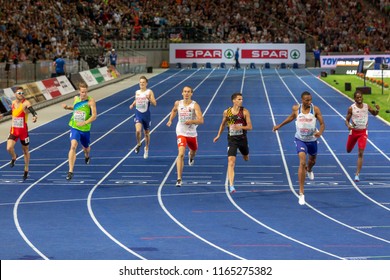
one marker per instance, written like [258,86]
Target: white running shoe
[301,200]
[310,175]
[357,178]
[146,153]
[190,161]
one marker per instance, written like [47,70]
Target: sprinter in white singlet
[189,117]
[357,123]
[306,116]
[143,98]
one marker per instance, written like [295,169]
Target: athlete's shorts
[144,119]
[84,137]
[306,147]
[191,142]
[237,143]
[21,134]
[357,135]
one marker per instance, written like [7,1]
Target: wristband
[32,111]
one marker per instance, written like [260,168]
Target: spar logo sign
[229,54]
[295,54]
[270,54]
[199,53]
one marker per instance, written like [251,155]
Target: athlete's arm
[221,127]
[132,104]
[199,117]
[372,111]
[248,120]
[348,118]
[173,113]
[318,115]
[152,99]
[92,105]
[27,105]
[289,119]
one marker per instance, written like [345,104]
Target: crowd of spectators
[44,29]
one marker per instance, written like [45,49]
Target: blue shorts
[143,118]
[306,147]
[84,137]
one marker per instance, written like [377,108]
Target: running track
[123,207]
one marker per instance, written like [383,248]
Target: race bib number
[18,122]
[141,104]
[306,132]
[79,116]
[360,123]
[234,131]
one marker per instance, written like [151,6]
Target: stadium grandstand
[33,32]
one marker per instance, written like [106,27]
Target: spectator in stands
[366,50]
[113,58]
[59,65]
[317,57]
[102,60]
[330,24]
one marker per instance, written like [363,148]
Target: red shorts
[191,142]
[359,136]
[19,133]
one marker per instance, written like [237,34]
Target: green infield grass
[379,95]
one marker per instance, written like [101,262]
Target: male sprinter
[19,130]
[84,113]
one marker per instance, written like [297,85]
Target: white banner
[330,61]
[196,270]
[65,85]
[378,73]
[248,53]
[88,78]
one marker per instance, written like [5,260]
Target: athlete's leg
[192,143]
[11,148]
[359,161]
[26,155]
[72,154]
[302,172]
[180,161]
[351,142]
[138,133]
[231,165]
[311,162]
[362,143]
[87,151]
[147,139]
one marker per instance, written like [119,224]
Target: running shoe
[69,176]
[146,153]
[25,175]
[178,183]
[310,175]
[12,163]
[357,178]
[87,160]
[301,200]
[232,189]
[138,148]
[191,161]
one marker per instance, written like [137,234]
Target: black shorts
[238,143]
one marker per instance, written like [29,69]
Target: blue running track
[123,207]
